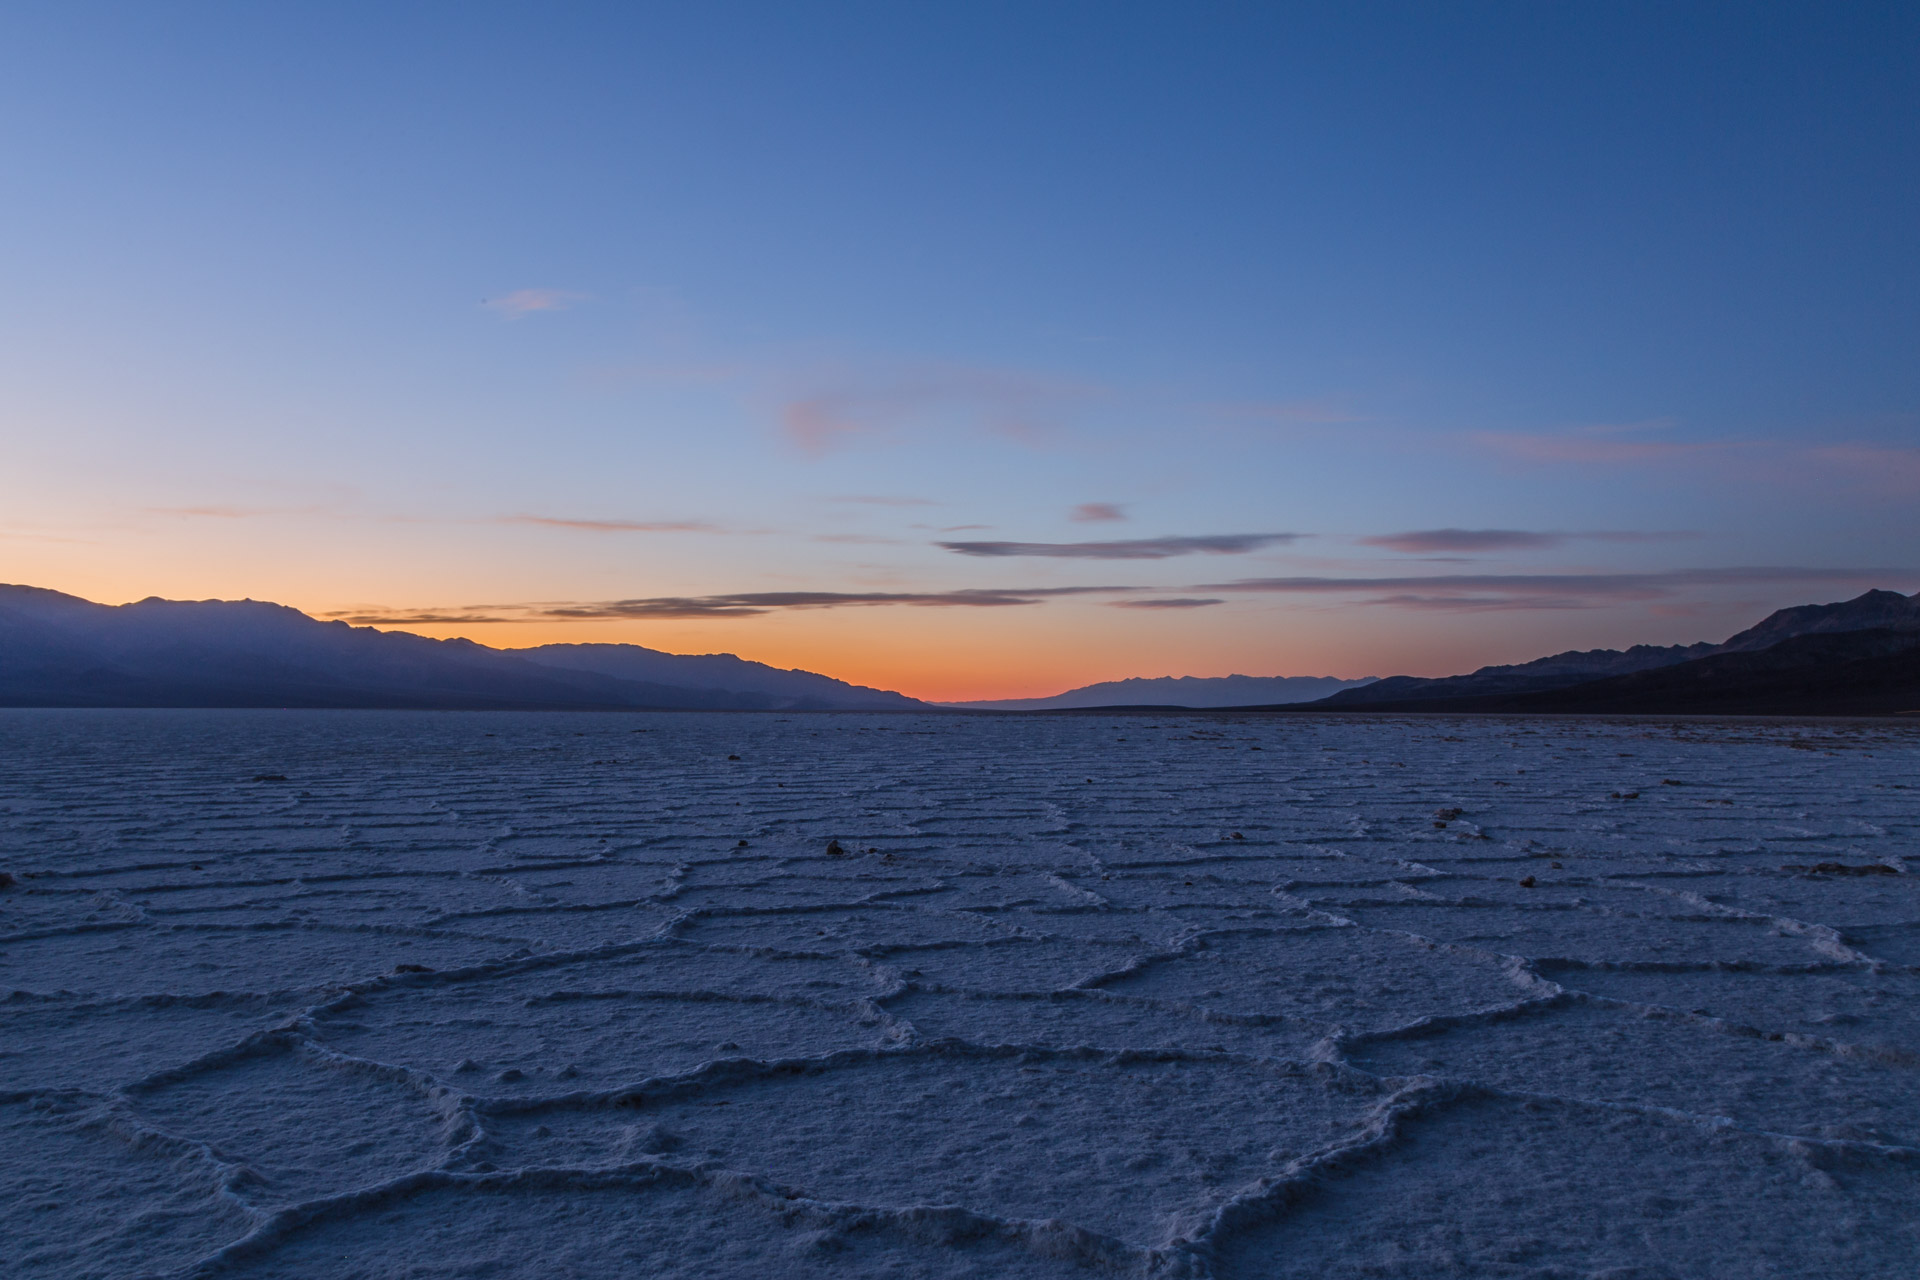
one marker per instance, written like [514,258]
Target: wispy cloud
[745,604]
[1867,466]
[1218,544]
[1166,602]
[211,513]
[526,302]
[1095,512]
[1420,541]
[1481,591]
[615,526]
[1880,467]
[1481,604]
[373,616]
[1576,447]
[1019,406]
[882,500]
[224,511]
[750,603]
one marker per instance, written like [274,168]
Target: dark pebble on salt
[1526,882]
[740,844]
[733,757]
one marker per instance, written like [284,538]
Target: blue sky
[483,319]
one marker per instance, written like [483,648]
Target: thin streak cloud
[1566,590]
[615,526]
[526,302]
[750,603]
[1422,541]
[1167,602]
[1219,544]
[882,500]
[1095,512]
[745,604]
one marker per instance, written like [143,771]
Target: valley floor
[385,994]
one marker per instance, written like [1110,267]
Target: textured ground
[391,994]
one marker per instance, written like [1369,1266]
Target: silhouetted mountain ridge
[1854,657]
[60,650]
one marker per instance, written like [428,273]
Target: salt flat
[338,994]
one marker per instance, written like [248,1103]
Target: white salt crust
[583,996]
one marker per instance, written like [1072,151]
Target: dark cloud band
[1218,544]
[1419,541]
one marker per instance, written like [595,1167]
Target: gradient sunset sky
[972,350]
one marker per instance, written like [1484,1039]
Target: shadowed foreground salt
[585,996]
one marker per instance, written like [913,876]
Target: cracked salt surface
[552,995]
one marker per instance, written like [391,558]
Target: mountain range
[58,650]
[1854,657]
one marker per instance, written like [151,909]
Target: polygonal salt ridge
[582,1039]
[1366,962]
[206,959]
[1580,1047]
[1019,963]
[1836,900]
[1465,1180]
[31,910]
[859,929]
[1592,934]
[569,927]
[299,1117]
[586,881]
[1824,939]
[949,1242]
[53,1041]
[1853,1001]
[1024,1132]
[1102,1022]
[94,1186]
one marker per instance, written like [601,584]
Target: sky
[972,350]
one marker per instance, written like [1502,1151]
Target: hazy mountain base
[1177,691]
